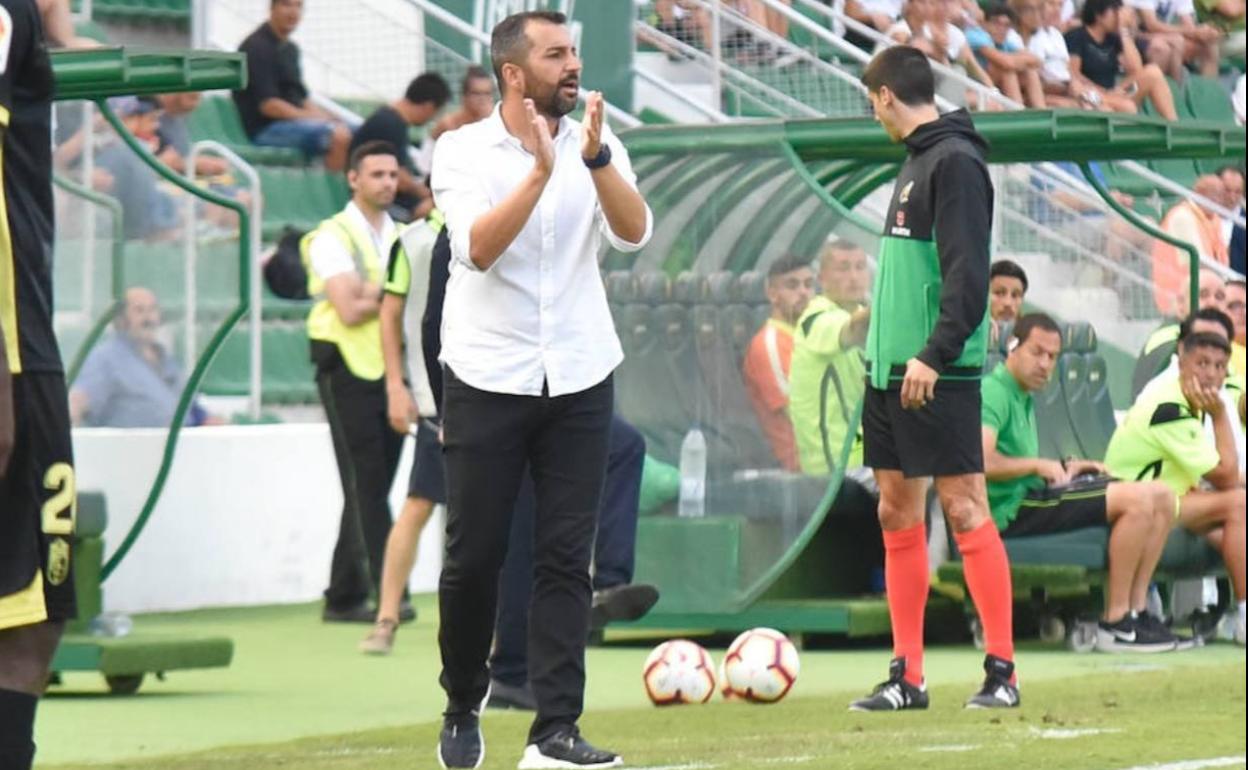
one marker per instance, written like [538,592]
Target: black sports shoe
[1161,630]
[894,695]
[1134,634]
[566,749]
[509,696]
[461,743]
[623,602]
[359,613]
[998,691]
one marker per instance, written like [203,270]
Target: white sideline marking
[1067,734]
[789,760]
[954,747]
[694,766]
[1195,764]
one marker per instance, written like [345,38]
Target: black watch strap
[601,159]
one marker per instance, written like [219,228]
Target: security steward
[345,258]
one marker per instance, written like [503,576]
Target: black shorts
[941,439]
[1062,509]
[37,506]
[428,479]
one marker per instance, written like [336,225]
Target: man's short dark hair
[474,73]
[428,87]
[1211,314]
[785,265]
[1000,9]
[1094,9]
[1008,268]
[368,149]
[1024,326]
[1205,340]
[510,44]
[906,72]
[1230,167]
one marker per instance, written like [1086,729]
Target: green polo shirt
[1011,412]
[1162,438]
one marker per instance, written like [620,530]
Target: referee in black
[37,492]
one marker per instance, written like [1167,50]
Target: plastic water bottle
[111,624]
[693,474]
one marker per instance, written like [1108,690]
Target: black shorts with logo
[939,439]
[37,506]
[1047,511]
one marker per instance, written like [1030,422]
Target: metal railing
[256,315]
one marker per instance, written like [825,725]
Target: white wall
[249,515]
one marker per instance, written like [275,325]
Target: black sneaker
[461,743]
[625,602]
[509,696]
[566,749]
[360,613]
[1157,628]
[998,691]
[894,695]
[407,613]
[1131,634]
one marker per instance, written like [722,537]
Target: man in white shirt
[346,257]
[528,349]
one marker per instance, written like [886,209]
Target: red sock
[988,577]
[906,581]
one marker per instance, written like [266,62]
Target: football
[761,666]
[679,671]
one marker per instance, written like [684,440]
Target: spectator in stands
[790,285]
[1031,495]
[476,100]
[1193,223]
[58,25]
[274,107]
[1169,36]
[828,374]
[685,21]
[347,256]
[926,27]
[148,212]
[423,100]
[1235,309]
[130,379]
[1099,53]
[1002,52]
[1161,438]
[1228,17]
[1039,25]
[1233,180]
[877,14]
[1162,344]
[174,136]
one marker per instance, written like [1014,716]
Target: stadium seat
[217,118]
[1092,414]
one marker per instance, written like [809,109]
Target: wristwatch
[603,158]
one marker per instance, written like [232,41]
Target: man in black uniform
[925,352]
[37,496]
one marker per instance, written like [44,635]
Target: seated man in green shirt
[1031,495]
[1163,438]
[827,374]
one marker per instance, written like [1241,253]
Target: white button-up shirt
[539,314]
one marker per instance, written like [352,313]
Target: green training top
[1011,412]
[826,384]
[1162,438]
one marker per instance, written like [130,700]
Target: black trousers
[367,451]
[489,440]
[614,550]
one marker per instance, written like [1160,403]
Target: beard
[551,101]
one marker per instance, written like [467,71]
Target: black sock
[17,730]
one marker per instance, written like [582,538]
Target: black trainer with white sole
[566,750]
[896,694]
[1134,634]
[461,744]
[1162,630]
[1000,689]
